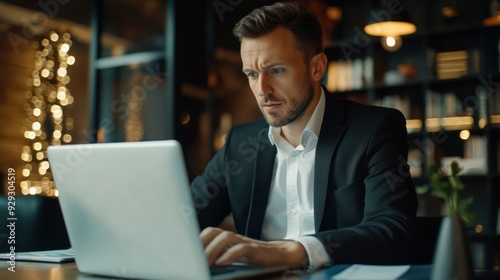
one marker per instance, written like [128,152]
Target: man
[321,179]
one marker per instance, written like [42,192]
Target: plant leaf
[468,218]
[433,168]
[422,189]
[464,204]
[455,168]
[439,193]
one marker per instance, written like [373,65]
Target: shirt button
[293,211]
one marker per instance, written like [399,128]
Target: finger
[238,252]
[258,253]
[220,244]
[208,234]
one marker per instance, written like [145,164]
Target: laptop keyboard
[216,270]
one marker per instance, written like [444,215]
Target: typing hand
[224,247]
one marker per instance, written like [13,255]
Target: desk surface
[69,271]
[38,270]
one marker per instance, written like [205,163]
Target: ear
[318,66]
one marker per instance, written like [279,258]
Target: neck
[292,132]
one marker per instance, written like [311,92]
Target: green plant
[449,187]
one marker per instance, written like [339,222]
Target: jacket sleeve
[209,190]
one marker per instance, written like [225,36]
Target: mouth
[271,106]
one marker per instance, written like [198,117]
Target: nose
[264,85]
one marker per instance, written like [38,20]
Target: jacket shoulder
[366,112]
[247,131]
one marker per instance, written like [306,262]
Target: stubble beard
[297,110]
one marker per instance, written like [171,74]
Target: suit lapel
[332,130]
[264,166]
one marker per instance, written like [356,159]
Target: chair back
[39,224]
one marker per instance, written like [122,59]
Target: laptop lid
[129,212]
[127,209]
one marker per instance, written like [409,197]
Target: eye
[276,71]
[251,75]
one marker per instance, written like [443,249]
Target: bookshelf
[445,79]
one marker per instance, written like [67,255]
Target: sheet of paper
[58,256]
[373,272]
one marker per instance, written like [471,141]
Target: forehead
[278,44]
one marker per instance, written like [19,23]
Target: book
[452,65]
[54,256]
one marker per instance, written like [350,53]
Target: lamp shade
[388,21]
[492,21]
[390,28]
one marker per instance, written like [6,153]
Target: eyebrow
[263,68]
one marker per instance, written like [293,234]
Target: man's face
[278,76]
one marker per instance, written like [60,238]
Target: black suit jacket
[364,200]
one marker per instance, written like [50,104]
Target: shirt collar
[313,125]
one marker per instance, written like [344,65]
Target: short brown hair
[293,16]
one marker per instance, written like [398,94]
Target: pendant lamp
[389,20]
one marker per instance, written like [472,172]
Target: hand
[223,247]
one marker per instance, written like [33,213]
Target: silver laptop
[129,211]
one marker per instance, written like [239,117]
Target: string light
[134,130]
[46,107]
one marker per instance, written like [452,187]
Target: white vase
[452,260]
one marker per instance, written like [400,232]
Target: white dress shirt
[290,211]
